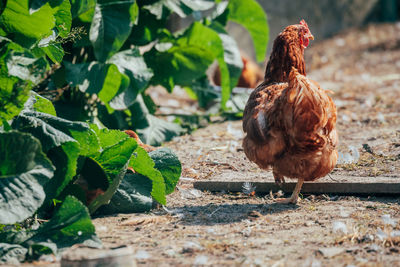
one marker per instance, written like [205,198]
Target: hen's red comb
[304,23]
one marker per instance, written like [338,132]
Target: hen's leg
[279,179]
[295,195]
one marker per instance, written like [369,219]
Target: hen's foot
[295,195]
[288,200]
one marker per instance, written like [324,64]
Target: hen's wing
[296,117]
[308,114]
[264,140]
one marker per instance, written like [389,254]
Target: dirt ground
[362,68]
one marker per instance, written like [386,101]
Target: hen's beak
[309,36]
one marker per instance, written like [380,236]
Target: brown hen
[250,77]
[289,120]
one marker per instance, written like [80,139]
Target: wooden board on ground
[335,185]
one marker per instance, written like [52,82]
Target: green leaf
[69,225]
[134,192]
[63,142]
[205,93]
[144,165]
[208,39]
[251,16]
[24,170]
[79,7]
[64,158]
[232,56]
[132,64]
[151,129]
[180,7]
[13,94]
[26,66]
[133,195]
[111,25]
[38,103]
[53,131]
[35,5]
[54,52]
[169,165]
[44,105]
[105,80]
[63,17]
[12,254]
[148,29]
[117,149]
[180,64]
[27,28]
[159,131]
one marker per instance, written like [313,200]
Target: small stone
[201,260]
[331,252]
[190,247]
[338,227]
[142,255]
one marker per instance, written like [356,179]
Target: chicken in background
[134,135]
[250,77]
[289,120]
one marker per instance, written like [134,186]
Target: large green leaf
[26,28]
[159,130]
[26,66]
[117,148]
[209,40]
[148,29]
[63,17]
[13,91]
[180,7]
[132,64]
[13,94]
[54,51]
[39,103]
[24,170]
[53,131]
[169,165]
[232,56]
[64,158]
[69,225]
[251,16]
[132,195]
[152,130]
[79,7]
[111,25]
[204,92]
[12,254]
[135,191]
[180,64]
[63,142]
[105,80]
[142,163]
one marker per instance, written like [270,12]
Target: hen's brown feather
[289,119]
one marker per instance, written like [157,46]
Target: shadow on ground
[212,214]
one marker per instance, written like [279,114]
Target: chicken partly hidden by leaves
[289,119]
[250,77]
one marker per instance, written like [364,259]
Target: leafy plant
[46,160]
[115,51]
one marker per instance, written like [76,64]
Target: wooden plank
[308,188]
